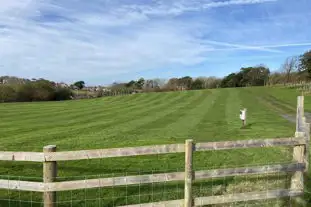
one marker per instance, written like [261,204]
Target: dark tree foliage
[185,82]
[37,90]
[7,93]
[197,84]
[131,84]
[305,63]
[250,76]
[79,84]
[140,83]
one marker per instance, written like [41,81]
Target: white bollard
[243,116]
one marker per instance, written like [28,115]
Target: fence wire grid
[163,191]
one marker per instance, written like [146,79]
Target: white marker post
[243,116]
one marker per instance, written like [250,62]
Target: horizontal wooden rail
[115,152]
[249,144]
[22,156]
[238,197]
[22,185]
[172,203]
[115,181]
[218,173]
[144,179]
[145,150]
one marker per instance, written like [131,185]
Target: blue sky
[101,41]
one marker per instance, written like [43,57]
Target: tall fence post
[307,154]
[297,180]
[188,173]
[300,115]
[49,175]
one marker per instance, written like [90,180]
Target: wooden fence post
[300,115]
[307,154]
[49,175]
[299,152]
[188,173]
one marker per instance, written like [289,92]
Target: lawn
[147,119]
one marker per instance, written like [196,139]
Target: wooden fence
[49,158]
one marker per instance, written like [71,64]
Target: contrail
[234,2]
[288,45]
[241,47]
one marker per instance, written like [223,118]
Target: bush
[40,90]
[7,93]
[25,92]
[63,94]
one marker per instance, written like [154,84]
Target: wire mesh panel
[154,181]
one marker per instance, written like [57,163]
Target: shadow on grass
[247,126]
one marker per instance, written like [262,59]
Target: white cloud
[68,40]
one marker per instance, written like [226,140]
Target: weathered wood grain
[172,203]
[22,185]
[116,181]
[307,146]
[300,114]
[218,173]
[49,175]
[115,152]
[22,156]
[155,178]
[202,201]
[188,173]
[262,195]
[146,150]
[249,144]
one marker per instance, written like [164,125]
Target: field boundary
[146,150]
[49,158]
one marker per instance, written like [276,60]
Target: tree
[140,83]
[276,78]
[232,80]
[150,84]
[131,84]
[253,76]
[172,84]
[62,94]
[160,82]
[305,63]
[185,82]
[197,84]
[43,90]
[7,93]
[289,67]
[79,84]
[250,76]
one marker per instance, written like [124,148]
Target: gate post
[299,151]
[188,202]
[49,176]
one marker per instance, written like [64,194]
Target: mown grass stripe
[88,112]
[83,106]
[65,132]
[82,121]
[163,118]
[122,128]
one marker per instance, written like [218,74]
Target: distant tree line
[295,69]
[173,84]
[33,90]
[250,76]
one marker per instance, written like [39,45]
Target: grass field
[148,119]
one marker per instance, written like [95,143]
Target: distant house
[63,85]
